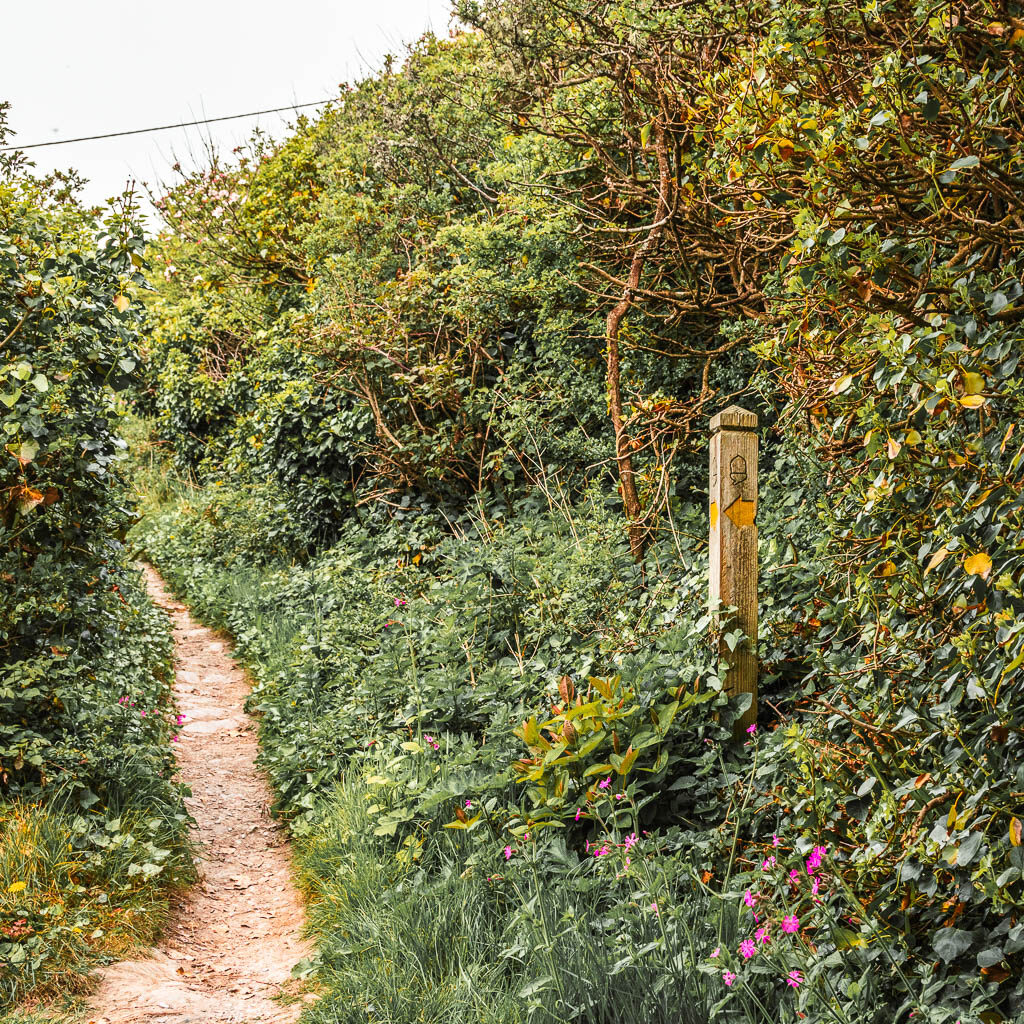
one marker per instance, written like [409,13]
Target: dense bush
[92,825]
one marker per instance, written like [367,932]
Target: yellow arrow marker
[741,512]
[714,514]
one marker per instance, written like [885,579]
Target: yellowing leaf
[936,559]
[889,569]
[18,886]
[913,438]
[121,303]
[841,385]
[978,565]
[1015,831]
[974,383]
[893,448]
[645,134]
[972,401]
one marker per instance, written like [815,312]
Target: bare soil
[234,937]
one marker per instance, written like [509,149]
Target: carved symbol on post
[737,469]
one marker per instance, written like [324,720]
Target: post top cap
[734,418]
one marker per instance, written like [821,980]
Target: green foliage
[92,825]
[393,350]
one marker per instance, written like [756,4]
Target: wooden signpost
[733,511]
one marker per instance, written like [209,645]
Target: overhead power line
[164,127]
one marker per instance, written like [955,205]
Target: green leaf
[535,986]
[964,161]
[949,943]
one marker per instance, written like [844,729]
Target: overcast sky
[73,68]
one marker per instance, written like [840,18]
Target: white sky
[85,67]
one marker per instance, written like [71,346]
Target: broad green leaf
[949,943]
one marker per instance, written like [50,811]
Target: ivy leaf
[997,302]
[121,303]
[949,943]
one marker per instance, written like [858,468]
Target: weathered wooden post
[733,510]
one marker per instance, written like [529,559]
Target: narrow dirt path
[234,938]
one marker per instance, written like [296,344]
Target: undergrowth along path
[234,937]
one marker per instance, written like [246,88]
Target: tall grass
[406,936]
[79,888]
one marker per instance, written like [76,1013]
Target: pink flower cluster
[814,861]
[431,742]
[790,923]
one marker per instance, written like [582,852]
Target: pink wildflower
[762,935]
[579,811]
[469,805]
[174,739]
[815,885]
[747,948]
[619,796]
[631,840]
[793,979]
[654,907]
[508,852]
[814,861]
[602,851]
[776,840]
[749,898]
[752,728]
[728,977]
[605,783]
[790,924]
[794,875]
[768,862]
[715,952]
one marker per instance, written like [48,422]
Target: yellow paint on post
[741,512]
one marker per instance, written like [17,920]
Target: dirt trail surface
[233,939]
